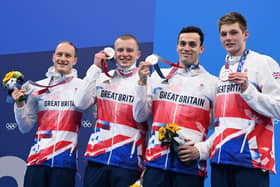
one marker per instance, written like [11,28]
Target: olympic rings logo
[11,126]
[86,124]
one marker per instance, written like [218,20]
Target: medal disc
[109,51]
[153,59]
[224,76]
[27,87]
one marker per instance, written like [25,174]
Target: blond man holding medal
[116,146]
[181,102]
[248,98]
[52,158]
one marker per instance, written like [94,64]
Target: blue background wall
[30,30]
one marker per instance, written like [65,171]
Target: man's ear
[53,58]
[138,55]
[201,49]
[246,34]
[75,61]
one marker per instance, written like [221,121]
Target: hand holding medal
[144,71]
[110,53]
[17,90]
[240,78]
[237,77]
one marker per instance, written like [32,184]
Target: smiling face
[127,52]
[189,48]
[64,58]
[233,38]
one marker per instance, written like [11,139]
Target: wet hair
[129,36]
[72,44]
[231,18]
[192,29]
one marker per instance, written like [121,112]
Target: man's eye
[183,43]
[58,54]
[68,55]
[223,34]
[233,32]
[120,50]
[129,50]
[192,44]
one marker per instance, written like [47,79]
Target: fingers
[144,68]
[239,78]
[144,72]
[16,94]
[100,58]
[143,63]
[188,153]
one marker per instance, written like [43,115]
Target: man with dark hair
[116,146]
[185,101]
[52,158]
[242,146]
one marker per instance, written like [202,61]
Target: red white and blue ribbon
[154,59]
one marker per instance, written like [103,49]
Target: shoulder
[76,82]
[209,76]
[262,60]
[43,81]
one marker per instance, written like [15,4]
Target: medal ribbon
[173,70]
[105,68]
[47,87]
[241,61]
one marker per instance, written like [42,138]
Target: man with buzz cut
[52,158]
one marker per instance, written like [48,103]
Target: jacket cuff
[204,153]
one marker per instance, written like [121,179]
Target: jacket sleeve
[86,93]
[204,147]
[142,106]
[214,84]
[26,116]
[266,101]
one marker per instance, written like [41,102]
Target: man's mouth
[62,64]
[229,45]
[125,60]
[186,54]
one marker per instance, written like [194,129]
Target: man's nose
[228,37]
[63,57]
[187,47]
[124,53]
